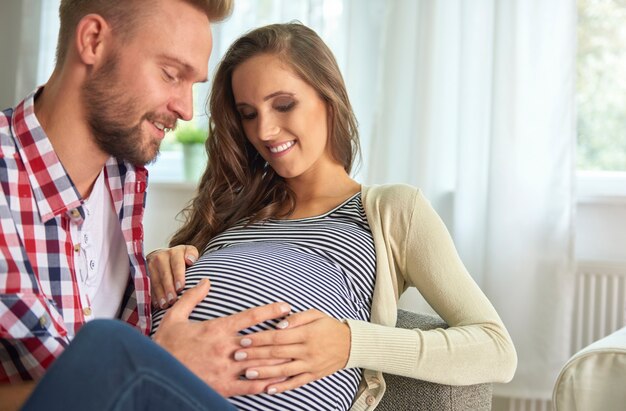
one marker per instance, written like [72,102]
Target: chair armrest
[409,394]
[594,378]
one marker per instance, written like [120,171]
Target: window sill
[601,187]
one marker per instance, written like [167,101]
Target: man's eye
[168,76]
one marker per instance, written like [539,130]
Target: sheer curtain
[476,108]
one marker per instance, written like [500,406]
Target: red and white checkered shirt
[40,304]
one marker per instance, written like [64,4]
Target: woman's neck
[316,196]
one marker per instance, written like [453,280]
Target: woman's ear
[92,35]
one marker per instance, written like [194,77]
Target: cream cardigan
[414,248]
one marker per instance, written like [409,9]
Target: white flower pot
[194,161]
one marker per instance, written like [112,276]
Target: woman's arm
[475,349]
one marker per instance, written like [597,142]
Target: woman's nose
[267,128]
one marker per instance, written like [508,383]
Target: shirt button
[140,187]
[370,400]
[43,321]
[75,213]
[76,248]
[92,264]
[87,311]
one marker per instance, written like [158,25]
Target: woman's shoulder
[393,202]
[391,194]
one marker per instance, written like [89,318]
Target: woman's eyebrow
[277,93]
[269,96]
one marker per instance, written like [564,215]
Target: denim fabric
[111,366]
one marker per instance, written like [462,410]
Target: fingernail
[191,258]
[285,308]
[283,324]
[162,302]
[251,374]
[272,391]
[240,355]
[178,286]
[170,297]
[246,342]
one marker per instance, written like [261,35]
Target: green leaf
[191,135]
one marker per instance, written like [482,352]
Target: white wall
[20,22]
[164,202]
[10,29]
[600,233]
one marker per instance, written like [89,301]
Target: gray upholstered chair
[408,394]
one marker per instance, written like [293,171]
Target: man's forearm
[14,395]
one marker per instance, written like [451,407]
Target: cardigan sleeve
[475,349]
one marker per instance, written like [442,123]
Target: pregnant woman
[278,218]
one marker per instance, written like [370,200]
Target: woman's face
[283,117]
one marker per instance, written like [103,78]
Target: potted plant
[194,153]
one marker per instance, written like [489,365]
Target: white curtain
[475,106]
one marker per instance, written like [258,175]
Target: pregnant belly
[249,275]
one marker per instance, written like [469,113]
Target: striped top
[325,262]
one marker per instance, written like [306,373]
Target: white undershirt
[102,265]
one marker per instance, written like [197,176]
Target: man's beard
[110,115]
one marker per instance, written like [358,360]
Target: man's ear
[92,34]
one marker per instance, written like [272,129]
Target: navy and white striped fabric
[325,262]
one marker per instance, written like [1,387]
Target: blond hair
[122,15]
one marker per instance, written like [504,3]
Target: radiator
[599,310]
[529,405]
[600,304]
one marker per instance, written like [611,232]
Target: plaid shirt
[40,304]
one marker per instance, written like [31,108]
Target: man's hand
[167,272]
[207,348]
[13,396]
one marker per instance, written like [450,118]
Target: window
[601,85]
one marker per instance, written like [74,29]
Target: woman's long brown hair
[238,183]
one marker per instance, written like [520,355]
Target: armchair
[408,394]
[595,377]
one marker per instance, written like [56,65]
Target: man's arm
[32,336]
[15,395]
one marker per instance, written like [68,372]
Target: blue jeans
[111,366]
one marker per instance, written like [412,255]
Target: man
[72,159]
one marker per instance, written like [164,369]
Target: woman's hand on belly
[207,348]
[167,272]
[317,344]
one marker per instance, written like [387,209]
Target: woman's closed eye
[284,105]
[247,114]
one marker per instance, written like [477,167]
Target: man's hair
[122,15]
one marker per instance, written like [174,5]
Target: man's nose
[182,104]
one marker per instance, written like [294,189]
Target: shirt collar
[52,187]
